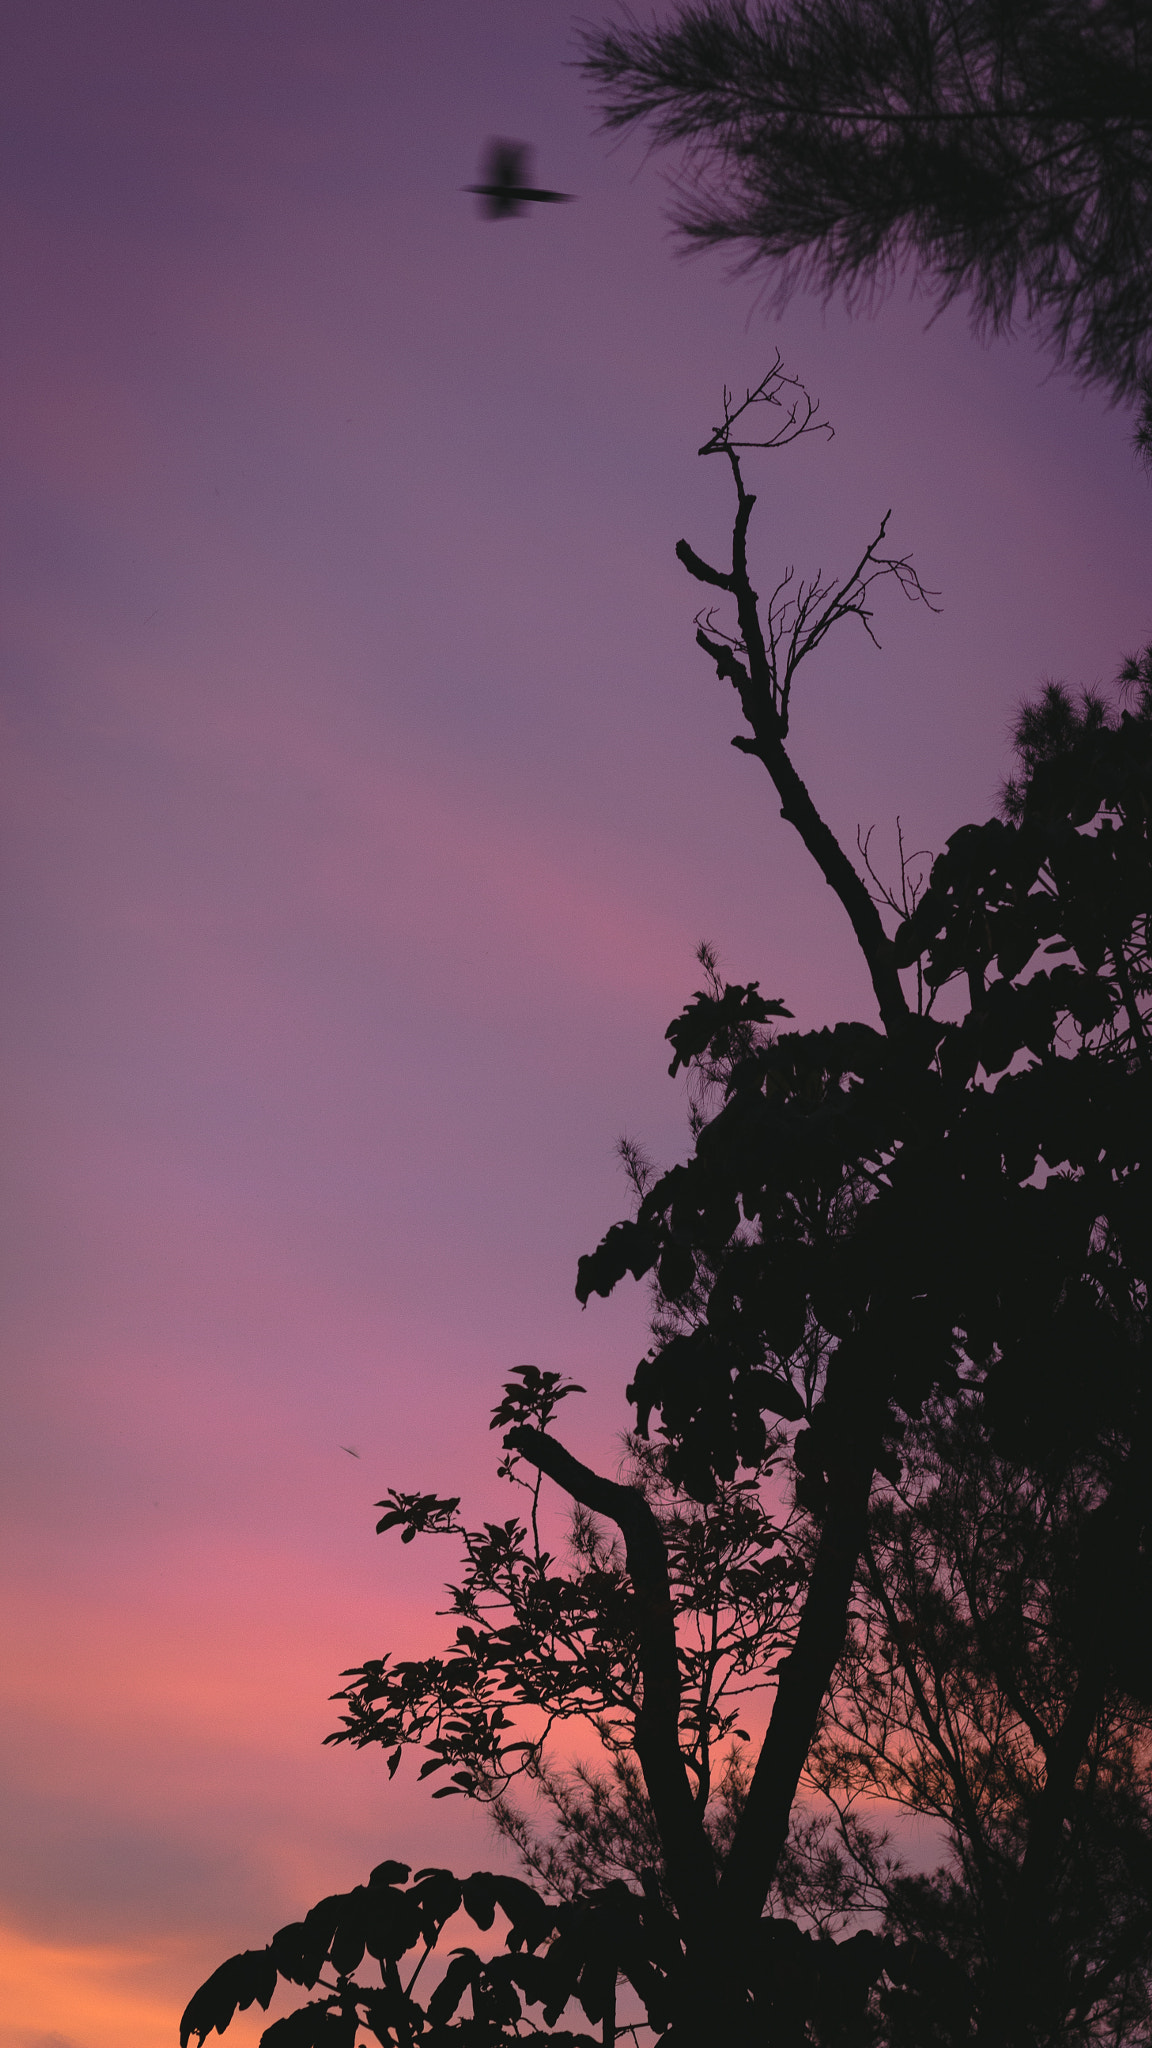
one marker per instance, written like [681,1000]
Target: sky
[365,798]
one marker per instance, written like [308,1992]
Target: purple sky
[365,799]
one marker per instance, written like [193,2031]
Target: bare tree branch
[761,660]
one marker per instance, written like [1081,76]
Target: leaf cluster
[548,1639]
[965,1199]
[552,1956]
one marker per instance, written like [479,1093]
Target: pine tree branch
[1005,150]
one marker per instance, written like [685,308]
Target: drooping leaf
[245,1979]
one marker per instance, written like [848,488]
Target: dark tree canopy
[964,1661]
[1001,147]
[891,1474]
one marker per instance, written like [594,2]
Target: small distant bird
[350,1451]
[506,188]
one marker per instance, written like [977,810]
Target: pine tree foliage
[980,1610]
[1003,149]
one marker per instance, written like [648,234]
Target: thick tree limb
[691,1874]
[803,1682]
[797,807]
[700,569]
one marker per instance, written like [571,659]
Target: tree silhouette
[975,1620]
[1004,151]
[901,1487]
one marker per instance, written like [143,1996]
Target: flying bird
[506,189]
[351,1453]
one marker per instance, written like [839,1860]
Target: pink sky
[365,799]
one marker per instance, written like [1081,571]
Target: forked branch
[777,389]
[762,657]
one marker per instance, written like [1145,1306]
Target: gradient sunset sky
[365,798]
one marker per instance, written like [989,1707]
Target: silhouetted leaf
[243,1980]
[312,2026]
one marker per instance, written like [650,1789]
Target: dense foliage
[898,1501]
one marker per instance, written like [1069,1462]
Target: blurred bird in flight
[506,190]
